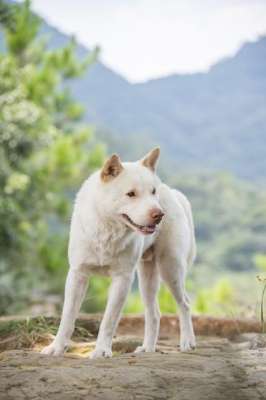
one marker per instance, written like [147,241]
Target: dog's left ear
[112,167]
[151,159]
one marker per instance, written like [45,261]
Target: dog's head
[130,191]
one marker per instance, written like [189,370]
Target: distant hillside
[211,121]
[218,119]
[215,120]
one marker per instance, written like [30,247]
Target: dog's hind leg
[149,282]
[116,299]
[173,272]
[75,289]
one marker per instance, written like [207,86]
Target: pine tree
[45,150]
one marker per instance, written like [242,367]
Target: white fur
[101,242]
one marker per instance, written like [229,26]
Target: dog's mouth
[145,229]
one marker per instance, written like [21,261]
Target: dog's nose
[156,214]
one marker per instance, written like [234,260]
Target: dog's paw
[101,353]
[144,349]
[187,342]
[54,349]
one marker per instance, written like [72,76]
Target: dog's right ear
[112,167]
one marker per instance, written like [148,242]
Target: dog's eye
[153,191]
[132,193]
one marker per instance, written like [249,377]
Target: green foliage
[97,294]
[23,29]
[230,219]
[166,301]
[218,300]
[260,261]
[134,304]
[46,151]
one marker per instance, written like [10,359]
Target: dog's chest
[107,243]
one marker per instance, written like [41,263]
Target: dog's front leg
[75,289]
[117,295]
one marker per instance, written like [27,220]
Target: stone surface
[218,369]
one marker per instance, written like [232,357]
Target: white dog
[124,218]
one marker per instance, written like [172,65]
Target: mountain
[210,121]
[218,119]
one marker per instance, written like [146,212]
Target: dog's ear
[112,167]
[151,159]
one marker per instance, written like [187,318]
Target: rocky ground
[232,366]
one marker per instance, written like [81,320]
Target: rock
[217,369]
[258,342]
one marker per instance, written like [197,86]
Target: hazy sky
[143,39]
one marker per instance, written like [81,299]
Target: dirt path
[217,370]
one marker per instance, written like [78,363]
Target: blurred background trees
[45,152]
